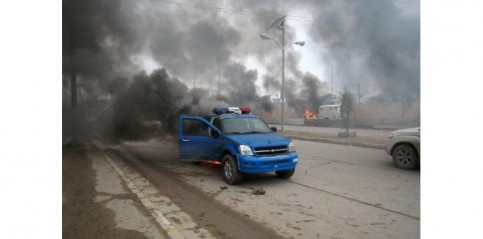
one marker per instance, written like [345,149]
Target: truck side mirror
[274,129]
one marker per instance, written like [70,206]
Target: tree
[346,108]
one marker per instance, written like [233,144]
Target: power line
[230,10]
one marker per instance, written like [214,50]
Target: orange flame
[214,163]
[309,114]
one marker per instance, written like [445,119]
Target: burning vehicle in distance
[240,141]
[309,115]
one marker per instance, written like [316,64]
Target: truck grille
[271,150]
[276,162]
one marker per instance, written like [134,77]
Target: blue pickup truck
[240,141]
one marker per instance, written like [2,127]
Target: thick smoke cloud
[148,98]
[241,83]
[371,41]
[109,43]
[310,95]
[98,39]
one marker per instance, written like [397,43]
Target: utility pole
[359,92]
[373,89]
[73,100]
[73,75]
[219,80]
[282,25]
[332,79]
[194,80]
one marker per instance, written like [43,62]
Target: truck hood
[259,140]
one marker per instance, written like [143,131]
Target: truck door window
[217,123]
[192,127]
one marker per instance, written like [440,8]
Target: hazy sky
[373,43]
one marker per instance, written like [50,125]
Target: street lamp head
[265,36]
[300,43]
[278,23]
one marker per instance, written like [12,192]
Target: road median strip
[368,144]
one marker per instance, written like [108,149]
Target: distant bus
[329,112]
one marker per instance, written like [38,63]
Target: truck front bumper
[250,164]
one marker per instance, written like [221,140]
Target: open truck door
[198,139]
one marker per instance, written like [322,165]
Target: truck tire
[285,173]
[405,156]
[230,172]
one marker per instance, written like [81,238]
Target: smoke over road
[372,42]
[154,97]
[157,59]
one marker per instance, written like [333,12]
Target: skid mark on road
[354,200]
[326,160]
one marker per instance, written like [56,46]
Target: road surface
[337,191]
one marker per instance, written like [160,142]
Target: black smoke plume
[149,99]
[108,44]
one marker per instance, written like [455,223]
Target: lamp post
[279,23]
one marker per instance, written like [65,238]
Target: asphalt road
[337,192]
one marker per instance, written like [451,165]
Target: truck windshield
[245,126]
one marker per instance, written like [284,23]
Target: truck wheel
[285,173]
[405,156]
[230,172]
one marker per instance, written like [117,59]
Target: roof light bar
[220,111]
[245,110]
[228,110]
[235,110]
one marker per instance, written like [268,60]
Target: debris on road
[258,191]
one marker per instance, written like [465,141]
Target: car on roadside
[404,147]
[241,142]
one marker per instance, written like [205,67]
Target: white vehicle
[404,147]
[329,112]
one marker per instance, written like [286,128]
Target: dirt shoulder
[81,216]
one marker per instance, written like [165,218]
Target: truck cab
[240,141]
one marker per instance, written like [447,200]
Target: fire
[213,163]
[309,114]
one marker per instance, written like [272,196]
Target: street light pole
[283,71]
[279,23]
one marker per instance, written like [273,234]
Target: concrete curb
[160,218]
[170,230]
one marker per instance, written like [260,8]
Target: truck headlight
[291,147]
[245,150]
